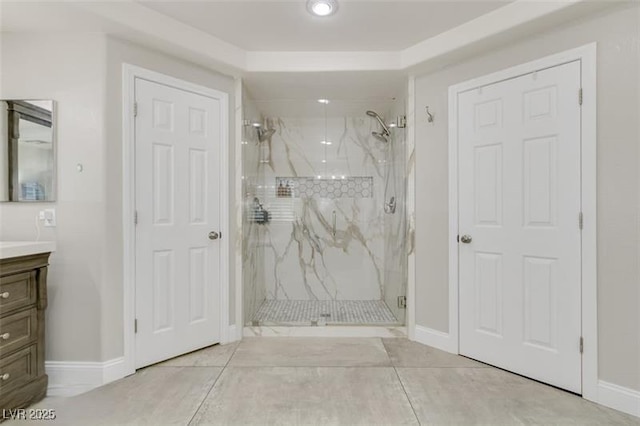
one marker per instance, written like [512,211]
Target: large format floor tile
[488,396]
[310,352]
[213,356]
[306,395]
[405,353]
[153,396]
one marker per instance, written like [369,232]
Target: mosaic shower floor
[324,312]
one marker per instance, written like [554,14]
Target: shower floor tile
[332,312]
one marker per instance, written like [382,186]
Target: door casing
[587,57]
[129,74]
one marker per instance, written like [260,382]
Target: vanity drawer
[17,291]
[18,369]
[17,330]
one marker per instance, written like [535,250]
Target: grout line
[213,385]
[401,384]
[407,395]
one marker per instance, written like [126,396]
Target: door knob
[213,235]
[466,239]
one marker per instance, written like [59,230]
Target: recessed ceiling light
[326,142]
[322,7]
[323,101]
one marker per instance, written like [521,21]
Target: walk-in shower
[330,253]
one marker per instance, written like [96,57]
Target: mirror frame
[22,109]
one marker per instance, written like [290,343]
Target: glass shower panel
[325,244]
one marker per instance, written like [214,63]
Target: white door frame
[587,56]
[129,74]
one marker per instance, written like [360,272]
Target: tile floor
[304,312]
[326,381]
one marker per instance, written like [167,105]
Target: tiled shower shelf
[310,187]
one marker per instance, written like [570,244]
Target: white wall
[617,33]
[70,70]
[83,74]
[117,53]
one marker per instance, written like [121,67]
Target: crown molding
[147,26]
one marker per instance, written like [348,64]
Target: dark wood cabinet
[23,300]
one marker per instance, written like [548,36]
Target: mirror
[27,150]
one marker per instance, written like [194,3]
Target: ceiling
[365,51]
[358,25]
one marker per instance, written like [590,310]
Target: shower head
[385,130]
[264,134]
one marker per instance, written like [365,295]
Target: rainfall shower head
[385,130]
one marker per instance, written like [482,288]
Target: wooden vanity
[23,300]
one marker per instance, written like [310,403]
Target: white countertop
[24,248]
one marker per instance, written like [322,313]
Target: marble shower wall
[306,257]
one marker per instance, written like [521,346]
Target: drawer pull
[5,376]
[5,336]
[4,295]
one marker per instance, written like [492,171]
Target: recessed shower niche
[322,245]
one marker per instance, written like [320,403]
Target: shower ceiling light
[322,7]
[323,101]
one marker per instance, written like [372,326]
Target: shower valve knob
[466,239]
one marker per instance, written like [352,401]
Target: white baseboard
[434,338]
[619,398]
[232,334]
[73,378]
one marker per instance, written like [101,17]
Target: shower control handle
[466,239]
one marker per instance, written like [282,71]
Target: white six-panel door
[177,148]
[519,202]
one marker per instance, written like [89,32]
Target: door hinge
[581,344]
[135,109]
[580,96]
[402,302]
[135,217]
[135,325]
[401,121]
[580,220]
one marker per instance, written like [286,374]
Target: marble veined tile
[152,396]
[306,396]
[405,353]
[213,356]
[489,396]
[310,352]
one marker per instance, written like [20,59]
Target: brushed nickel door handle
[466,239]
[4,295]
[5,336]
[213,235]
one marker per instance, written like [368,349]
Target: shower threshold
[323,312]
